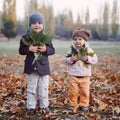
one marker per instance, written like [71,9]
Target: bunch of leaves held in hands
[36,39]
[81,52]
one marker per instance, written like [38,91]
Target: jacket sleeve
[92,59]
[23,49]
[67,59]
[50,49]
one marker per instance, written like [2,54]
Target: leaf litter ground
[104,97]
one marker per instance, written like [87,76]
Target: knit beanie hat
[81,32]
[36,17]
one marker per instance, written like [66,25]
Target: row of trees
[105,27]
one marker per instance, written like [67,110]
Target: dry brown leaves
[104,97]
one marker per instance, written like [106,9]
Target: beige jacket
[78,68]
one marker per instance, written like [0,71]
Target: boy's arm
[23,49]
[67,60]
[92,59]
[50,50]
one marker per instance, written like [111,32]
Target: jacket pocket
[44,62]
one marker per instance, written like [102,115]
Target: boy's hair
[81,32]
[36,17]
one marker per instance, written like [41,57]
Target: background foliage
[105,27]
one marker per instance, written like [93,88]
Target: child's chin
[37,30]
[78,46]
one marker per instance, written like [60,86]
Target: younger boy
[80,59]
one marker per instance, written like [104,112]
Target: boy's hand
[84,58]
[42,48]
[73,58]
[33,48]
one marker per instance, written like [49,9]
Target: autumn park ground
[105,83]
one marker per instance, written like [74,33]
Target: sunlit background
[77,7]
[63,16]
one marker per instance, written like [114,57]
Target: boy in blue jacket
[38,72]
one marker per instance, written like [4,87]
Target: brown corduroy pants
[79,86]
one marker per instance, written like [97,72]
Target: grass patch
[62,47]
[106,47]
[100,47]
[107,51]
[9,47]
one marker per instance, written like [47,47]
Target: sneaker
[44,110]
[30,111]
[84,108]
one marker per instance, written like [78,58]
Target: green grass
[100,47]
[106,47]
[9,47]
[62,47]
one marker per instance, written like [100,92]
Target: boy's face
[37,27]
[79,42]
